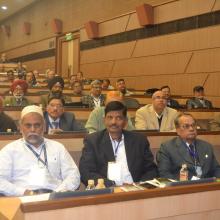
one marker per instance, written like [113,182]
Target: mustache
[33,134]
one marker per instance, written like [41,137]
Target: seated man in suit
[19,89]
[114,154]
[156,116]
[95,121]
[55,85]
[198,101]
[187,149]
[172,103]
[57,120]
[95,98]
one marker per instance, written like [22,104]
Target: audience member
[3,58]
[114,154]
[106,85]
[21,70]
[49,75]
[36,73]
[7,124]
[187,149]
[78,89]
[19,89]
[55,85]
[156,116]
[214,124]
[57,120]
[34,164]
[172,103]
[30,79]
[80,77]
[72,81]
[96,118]
[95,99]
[198,101]
[121,87]
[10,76]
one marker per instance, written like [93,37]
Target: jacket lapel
[164,119]
[129,149]
[183,151]
[153,119]
[106,146]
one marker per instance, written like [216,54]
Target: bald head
[159,101]
[113,96]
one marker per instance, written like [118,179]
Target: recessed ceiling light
[4,7]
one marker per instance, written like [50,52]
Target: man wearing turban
[18,89]
[55,86]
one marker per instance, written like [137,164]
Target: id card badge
[198,171]
[114,172]
[37,176]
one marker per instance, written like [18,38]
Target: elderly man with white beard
[34,164]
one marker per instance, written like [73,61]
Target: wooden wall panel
[216,6]
[112,52]
[181,9]
[133,22]
[212,84]
[32,48]
[179,83]
[97,70]
[154,65]
[41,64]
[184,41]
[113,26]
[205,61]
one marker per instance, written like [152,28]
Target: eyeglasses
[187,126]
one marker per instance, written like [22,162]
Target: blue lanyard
[49,124]
[116,148]
[193,153]
[45,163]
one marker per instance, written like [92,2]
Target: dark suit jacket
[98,151]
[172,103]
[195,103]
[174,153]
[67,122]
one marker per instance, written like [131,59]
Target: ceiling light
[4,7]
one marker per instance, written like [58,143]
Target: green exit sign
[69,36]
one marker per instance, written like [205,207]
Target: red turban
[19,82]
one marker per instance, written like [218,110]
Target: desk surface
[182,202]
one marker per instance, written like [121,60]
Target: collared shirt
[17,160]
[97,101]
[120,157]
[51,123]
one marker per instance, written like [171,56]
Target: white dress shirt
[17,161]
[120,157]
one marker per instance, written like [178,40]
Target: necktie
[55,124]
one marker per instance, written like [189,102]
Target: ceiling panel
[13,7]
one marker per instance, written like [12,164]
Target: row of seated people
[34,164]
[156,116]
[96,97]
